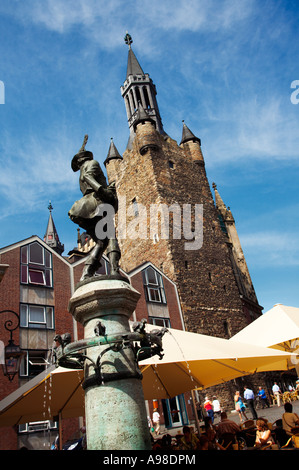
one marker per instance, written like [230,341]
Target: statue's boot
[93,261]
[114,255]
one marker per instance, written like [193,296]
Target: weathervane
[128,39]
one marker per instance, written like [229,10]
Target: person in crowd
[203,443]
[276,392]
[189,441]
[210,432]
[208,406]
[156,421]
[226,426]
[289,419]
[249,397]
[263,434]
[262,394]
[239,406]
[216,407]
[166,442]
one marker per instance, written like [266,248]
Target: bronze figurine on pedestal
[85,211]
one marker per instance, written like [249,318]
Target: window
[226,328]
[164,322]
[36,316]
[153,285]
[37,426]
[33,363]
[36,265]
[135,207]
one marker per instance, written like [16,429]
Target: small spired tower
[139,88]
[193,145]
[112,161]
[51,236]
[242,275]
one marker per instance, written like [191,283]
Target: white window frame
[36,426]
[48,317]
[39,357]
[157,320]
[157,286]
[30,265]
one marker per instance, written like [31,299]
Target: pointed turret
[113,153]
[112,162]
[225,212]
[51,235]
[133,67]
[188,136]
[193,143]
[241,271]
[142,116]
[139,88]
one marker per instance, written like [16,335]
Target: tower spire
[188,136]
[139,87]
[51,235]
[113,153]
[241,271]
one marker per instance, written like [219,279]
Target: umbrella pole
[195,412]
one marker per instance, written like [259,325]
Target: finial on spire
[50,207]
[128,39]
[214,185]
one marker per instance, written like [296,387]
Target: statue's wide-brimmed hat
[75,161]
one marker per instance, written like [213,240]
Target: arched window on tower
[138,96]
[146,97]
[129,106]
[133,100]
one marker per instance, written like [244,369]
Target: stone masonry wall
[170,174]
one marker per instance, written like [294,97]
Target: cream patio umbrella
[190,361]
[277,329]
[56,392]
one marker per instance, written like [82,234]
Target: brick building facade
[38,284]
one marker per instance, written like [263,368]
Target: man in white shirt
[216,407]
[249,397]
[276,392]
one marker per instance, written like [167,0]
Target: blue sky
[225,67]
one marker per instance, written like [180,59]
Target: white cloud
[34,174]
[194,15]
[271,248]
[255,128]
[103,20]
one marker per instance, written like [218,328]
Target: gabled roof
[31,239]
[145,265]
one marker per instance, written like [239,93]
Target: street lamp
[12,353]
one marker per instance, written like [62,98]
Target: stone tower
[167,214]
